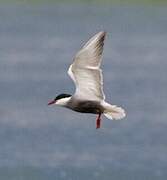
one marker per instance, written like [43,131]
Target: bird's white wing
[85,70]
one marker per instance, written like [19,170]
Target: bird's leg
[98,120]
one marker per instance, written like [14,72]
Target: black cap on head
[60,96]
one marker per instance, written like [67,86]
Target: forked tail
[113,112]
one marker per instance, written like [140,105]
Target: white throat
[63,101]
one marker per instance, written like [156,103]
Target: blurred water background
[37,44]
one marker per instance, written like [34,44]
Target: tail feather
[114,112]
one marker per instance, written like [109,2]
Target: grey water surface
[37,45]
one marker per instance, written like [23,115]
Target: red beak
[52,102]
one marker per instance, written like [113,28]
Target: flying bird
[87,76]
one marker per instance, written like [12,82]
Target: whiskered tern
[87,76]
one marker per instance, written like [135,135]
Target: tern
[87,76]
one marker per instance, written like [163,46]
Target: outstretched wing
[85,70]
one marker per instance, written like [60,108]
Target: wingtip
[103,33]
[98,37]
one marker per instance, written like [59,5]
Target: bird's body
[86,106]
[86,73]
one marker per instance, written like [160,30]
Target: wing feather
[85,70]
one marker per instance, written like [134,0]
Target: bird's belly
[88,107]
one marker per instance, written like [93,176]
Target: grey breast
[85,106]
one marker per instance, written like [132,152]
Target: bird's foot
[98,121]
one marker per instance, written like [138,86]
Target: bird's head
[61,99]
